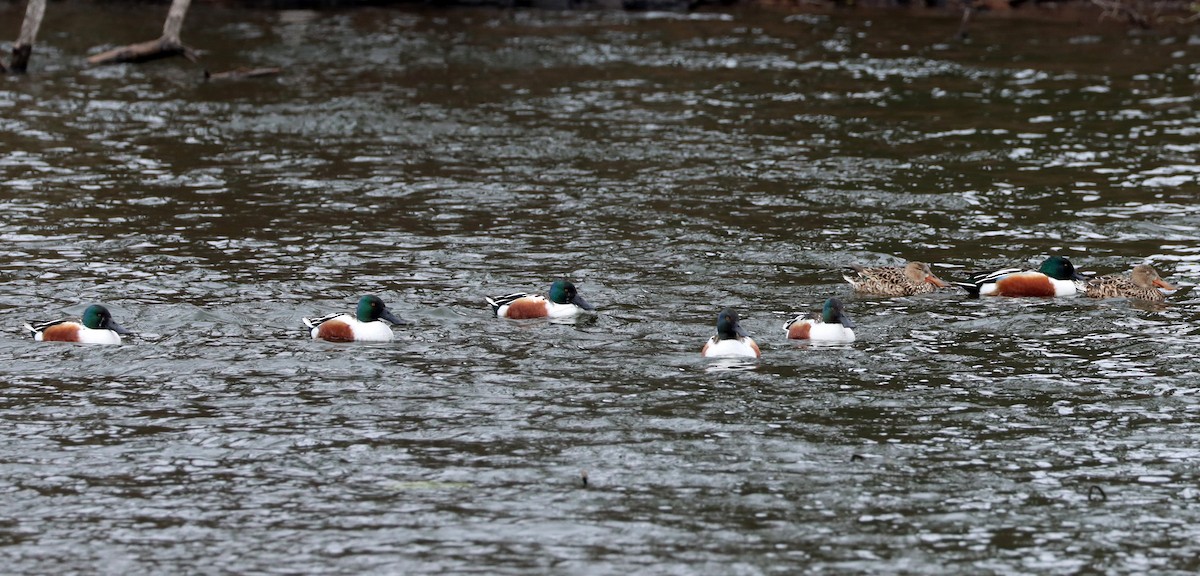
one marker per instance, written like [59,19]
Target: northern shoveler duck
[1144,283]
[730,340]
[832,324]
[365,326]
[913,278]
[1055,277]
[564,302]
[96,327]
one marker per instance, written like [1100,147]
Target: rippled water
[670,164]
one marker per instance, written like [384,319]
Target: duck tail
[852,274]
[971,287]
[500,301]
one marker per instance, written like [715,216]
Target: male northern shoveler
[365,326]
[564,302]
[832,324]
[1144,283]
[96,327]
[730,340]
[1055,277]
[913,278]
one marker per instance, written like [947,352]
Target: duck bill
[1164,284]
[580,302]
[846,321]
[1080,277]
[937,281]
[110,325]
[740,331]
[387,315]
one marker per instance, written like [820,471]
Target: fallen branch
[1118,9]
[165,46]
[1180,19]
[143,52]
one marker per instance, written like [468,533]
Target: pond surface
[671,165]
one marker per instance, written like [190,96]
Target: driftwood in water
[143,52]
[965,24]
[167,45]
[23,48]
[1123,11]
[240,73]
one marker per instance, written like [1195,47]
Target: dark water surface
[671,165]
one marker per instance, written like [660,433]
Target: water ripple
[671,165]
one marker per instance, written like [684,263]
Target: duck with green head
[730,340]
[1055,277]
[365,326]
[96,327]
[563,301]
[831,325]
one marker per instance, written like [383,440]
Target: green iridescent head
[371,308]
[564,292]
[834,313]
[729,326]
[97,317]
[1059,268]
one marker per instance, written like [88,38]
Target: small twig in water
[583,477]
[241,73]
[1098,490]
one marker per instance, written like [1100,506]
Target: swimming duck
[832,324]
[913,278]
[1055,277]
[365,326]
[564,301]
[95,327]
[730,339]
[1144,283]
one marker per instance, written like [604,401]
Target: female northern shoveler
[1055,277]
[832,324]
[730,340]
[913,278]
[564,302]
[96,327]
[365,326]
[1144,283]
